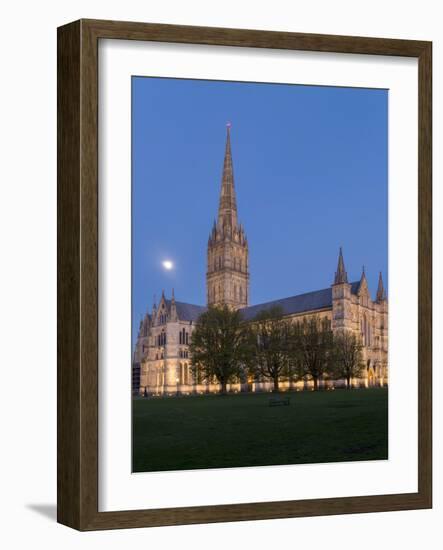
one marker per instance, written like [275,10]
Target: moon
[168,265]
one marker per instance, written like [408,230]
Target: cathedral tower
[341,297]
[227,276]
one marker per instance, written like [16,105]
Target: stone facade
[161,354]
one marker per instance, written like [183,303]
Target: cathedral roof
[319,299]
[187,312]
[310,301]
[355,287]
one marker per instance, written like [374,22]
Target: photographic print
[259,274]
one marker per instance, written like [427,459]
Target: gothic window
[187,335]
[240,265]
[180,338]
[215,264]
[365,330]
[241,293]
[219,262]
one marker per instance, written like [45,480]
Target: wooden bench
[277,401]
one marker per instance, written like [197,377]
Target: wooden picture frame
[77,480]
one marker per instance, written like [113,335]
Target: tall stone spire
[227,275]
[227,209]
[381,294]
[340,275]
[363,274]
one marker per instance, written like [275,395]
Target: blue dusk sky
[310,170]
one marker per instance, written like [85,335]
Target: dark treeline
[226,349]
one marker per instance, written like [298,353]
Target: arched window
[241,293]
[366,331]
[363,330]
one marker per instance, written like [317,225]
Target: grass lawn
[213,431]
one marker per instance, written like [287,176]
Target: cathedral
[161,361]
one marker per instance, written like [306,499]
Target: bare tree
[219,346]
[270,338]
[312,348]
[348,360]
